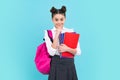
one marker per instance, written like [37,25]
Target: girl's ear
[52,20]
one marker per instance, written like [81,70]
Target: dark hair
[58,11]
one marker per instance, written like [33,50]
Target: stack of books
[71,40]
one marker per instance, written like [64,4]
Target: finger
[59,50]
[62,44]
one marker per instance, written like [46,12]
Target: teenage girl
[61,68]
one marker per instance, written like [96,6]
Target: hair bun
[63,9]
[53,10]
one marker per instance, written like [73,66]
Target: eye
[56,19]
[61,19]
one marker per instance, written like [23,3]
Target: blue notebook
[61,38]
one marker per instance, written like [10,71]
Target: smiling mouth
[59,24]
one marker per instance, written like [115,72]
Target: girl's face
[58,20]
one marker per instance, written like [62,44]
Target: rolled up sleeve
[78,49]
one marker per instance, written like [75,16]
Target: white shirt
[53,51]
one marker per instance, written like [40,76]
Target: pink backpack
[42,58]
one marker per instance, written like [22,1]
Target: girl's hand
[63,48]
[58,31]
[56,38]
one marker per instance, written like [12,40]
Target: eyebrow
[59,18]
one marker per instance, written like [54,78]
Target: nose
[59,21]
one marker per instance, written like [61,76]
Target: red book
[71,40]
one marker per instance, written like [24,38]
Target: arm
[51,50]
[65,48]
[73,51]
[52,47]
[56,39]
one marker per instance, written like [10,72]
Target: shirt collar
[55,28]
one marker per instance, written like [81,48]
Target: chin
[59,26]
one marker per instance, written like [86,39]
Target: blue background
[22,25]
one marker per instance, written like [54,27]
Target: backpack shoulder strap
[50,35]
